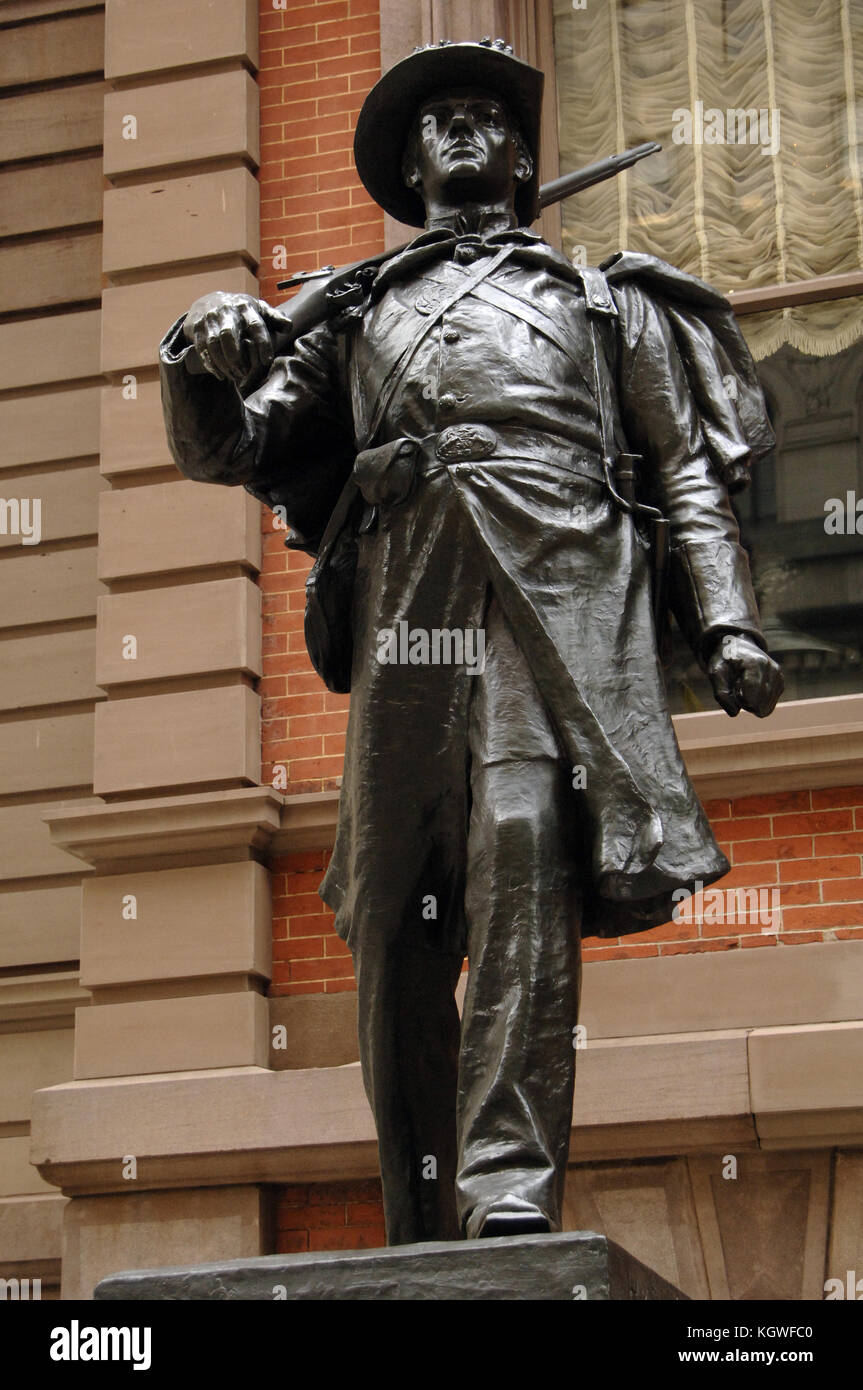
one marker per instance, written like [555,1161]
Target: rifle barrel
[557,189]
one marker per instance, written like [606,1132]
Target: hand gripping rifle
[328,292]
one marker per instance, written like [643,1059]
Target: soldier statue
[479,440]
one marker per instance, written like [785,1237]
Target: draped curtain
[785,205]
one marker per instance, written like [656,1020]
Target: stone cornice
[160,831]
[41,1000]
[161,828]
[805,743]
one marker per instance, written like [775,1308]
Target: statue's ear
[410,166]
[523,167]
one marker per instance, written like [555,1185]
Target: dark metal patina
[485,438]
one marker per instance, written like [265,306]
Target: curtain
[759,108]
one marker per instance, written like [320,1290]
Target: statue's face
[465,150]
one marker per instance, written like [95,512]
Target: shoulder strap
[599,304]
[625,475]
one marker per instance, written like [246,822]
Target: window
[758,106]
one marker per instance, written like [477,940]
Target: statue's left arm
[710,587]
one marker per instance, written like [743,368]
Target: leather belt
[476,443]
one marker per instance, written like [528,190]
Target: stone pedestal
[574,1265]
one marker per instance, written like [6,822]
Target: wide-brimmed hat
[389,110]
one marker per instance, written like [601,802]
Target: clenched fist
[230,334]
[744,676]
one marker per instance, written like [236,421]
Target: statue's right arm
[217,436]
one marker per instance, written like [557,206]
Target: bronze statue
[487,448]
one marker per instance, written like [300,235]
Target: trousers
[471,1111]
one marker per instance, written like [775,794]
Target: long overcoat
[483,382]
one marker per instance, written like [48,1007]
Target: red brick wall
[329,1216]
[318,61]
[805,844]
[308,957]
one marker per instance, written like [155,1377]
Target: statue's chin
[466,184]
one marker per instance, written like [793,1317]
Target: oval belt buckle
[465,443]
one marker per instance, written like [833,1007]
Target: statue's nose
[460,120]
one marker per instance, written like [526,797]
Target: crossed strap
[397,371]
[501,297]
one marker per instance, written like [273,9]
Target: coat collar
[439,243]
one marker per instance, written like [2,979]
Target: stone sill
[803,744]
[769,1088]
[697,992]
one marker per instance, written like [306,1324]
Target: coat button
[447,401]
[451,335]
[465,255]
